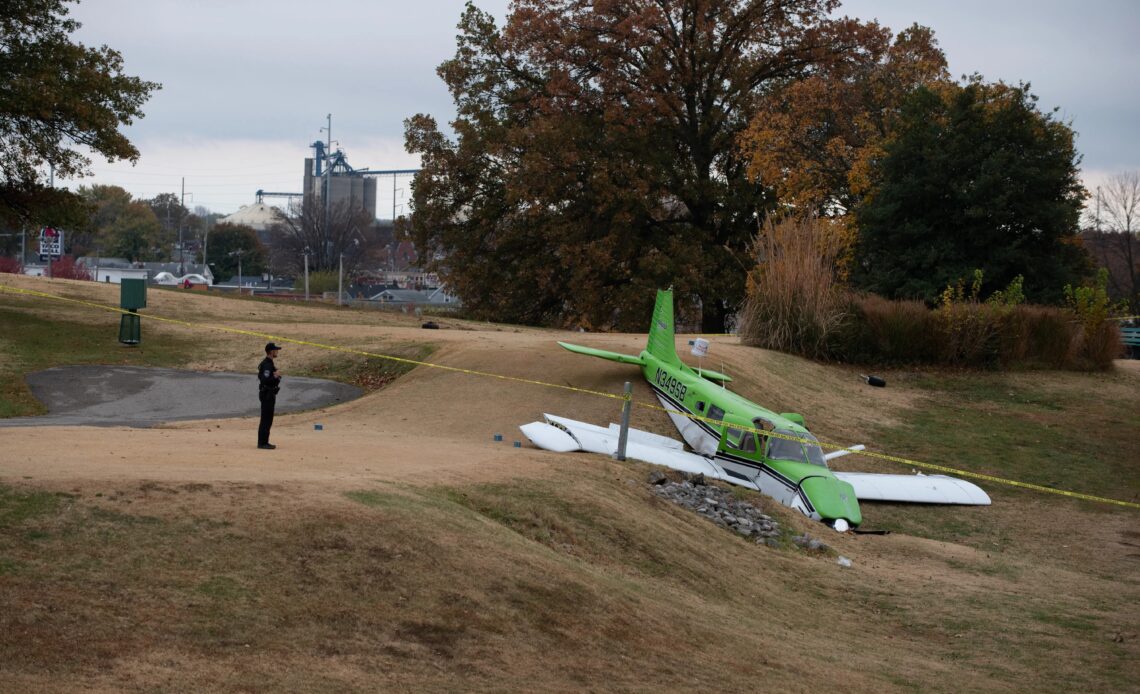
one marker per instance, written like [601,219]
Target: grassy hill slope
[402,547]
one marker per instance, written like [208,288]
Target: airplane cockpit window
[787,449]
[741,440]
[814,452]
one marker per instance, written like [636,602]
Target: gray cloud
[247,83]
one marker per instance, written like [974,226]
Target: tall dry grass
[794,302]
[974,335]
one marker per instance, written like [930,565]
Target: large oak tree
[595,154]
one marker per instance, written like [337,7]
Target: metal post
[181,252]
[340,282]
[306,273]
[623,435]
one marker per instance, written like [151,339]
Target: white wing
[919,489]
[561,435]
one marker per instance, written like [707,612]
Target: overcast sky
[247,84]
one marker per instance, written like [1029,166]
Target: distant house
[115,270]
[177,273]
[112,270]
[418,297]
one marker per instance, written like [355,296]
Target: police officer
[268,383]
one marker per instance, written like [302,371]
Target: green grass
[18,508]
[1072,439]
[370,373]
[1073,434]
[36,340]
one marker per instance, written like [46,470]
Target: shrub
[67,269]
[888,332]
[1052,337]
[1100,336]
[320,281]
[11,266]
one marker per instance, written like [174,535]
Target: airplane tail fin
[661,338]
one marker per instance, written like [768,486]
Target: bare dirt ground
[907,617]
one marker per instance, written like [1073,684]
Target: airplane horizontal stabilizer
[714,375]
[612,356]
[915,489]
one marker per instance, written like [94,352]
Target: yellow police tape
[622,397]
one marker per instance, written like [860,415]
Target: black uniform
[267,384]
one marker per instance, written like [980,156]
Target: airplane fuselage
[789,470]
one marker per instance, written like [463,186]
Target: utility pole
[306,273]
[239,253]
[181,214]
[1098,209]
[328,185]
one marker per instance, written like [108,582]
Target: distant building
[417,297]
[115,270]
[257,216]
[345,185]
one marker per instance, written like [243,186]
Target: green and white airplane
[738,441]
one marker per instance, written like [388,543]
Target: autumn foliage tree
[595,155]
[117,225]
[59,100]
[814,140]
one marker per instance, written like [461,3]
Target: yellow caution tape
[289,340]
[623,397]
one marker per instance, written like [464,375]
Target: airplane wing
[612,356]
[918,489]
[562,435]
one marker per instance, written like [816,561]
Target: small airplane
[735,440]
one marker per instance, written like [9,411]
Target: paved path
[143,397]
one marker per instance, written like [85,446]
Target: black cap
[270,347]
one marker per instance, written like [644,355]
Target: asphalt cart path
[135,396]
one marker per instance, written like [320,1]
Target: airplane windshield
[785,449]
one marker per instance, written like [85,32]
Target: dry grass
[404,551]
[794,303]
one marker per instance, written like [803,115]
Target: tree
[975,177]
[1115,241]
[595,154]
[234,243]
[813,139]
[134,234]
[344,231]
[104,206]
[56,95]
[172,215]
